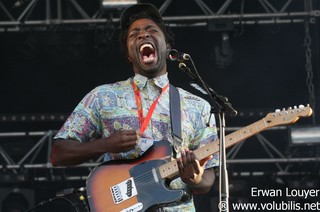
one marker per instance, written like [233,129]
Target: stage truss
[25,157]
[43,15]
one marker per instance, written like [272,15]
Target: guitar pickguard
[152,190]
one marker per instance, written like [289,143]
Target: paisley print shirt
[112,107]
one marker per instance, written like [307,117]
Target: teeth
[145,45]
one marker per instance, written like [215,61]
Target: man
[122,120]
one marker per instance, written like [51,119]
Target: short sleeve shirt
[112,107]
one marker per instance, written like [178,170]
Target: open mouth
[147,53]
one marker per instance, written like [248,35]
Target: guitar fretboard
[170,169]
[290,116]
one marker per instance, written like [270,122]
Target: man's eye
[152,30]
[133,34]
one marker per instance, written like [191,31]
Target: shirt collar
[160,81]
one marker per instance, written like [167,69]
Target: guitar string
[141,181]
[145,179]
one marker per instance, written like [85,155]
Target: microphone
[174,55]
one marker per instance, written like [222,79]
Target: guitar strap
[175,116]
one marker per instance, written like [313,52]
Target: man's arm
[72,152]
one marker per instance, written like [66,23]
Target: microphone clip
[174,55]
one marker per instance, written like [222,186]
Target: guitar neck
[170,169]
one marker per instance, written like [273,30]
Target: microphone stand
[221,106]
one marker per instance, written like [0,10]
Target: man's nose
[144,34]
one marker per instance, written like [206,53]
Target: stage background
[47,69]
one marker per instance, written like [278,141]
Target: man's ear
[168,46]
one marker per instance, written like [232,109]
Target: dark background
[262,68]
[48,72]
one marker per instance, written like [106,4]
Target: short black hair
[169,36]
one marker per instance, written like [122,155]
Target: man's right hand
[122,141]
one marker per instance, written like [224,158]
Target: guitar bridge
[123,191]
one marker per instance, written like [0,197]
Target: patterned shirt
[112,107]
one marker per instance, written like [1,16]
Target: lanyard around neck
[145,121]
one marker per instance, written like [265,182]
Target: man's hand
[192,171]
[122,141]
[189,168]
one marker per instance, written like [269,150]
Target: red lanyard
[145,121]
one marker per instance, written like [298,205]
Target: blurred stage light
[117,4]
[305,135]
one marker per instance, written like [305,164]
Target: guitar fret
[204,152]
[257,127]
[244,133]
[169,169]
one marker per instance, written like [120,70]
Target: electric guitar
[141,184]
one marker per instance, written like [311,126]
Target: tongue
[148,59]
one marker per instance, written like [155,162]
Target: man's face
[147,48]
